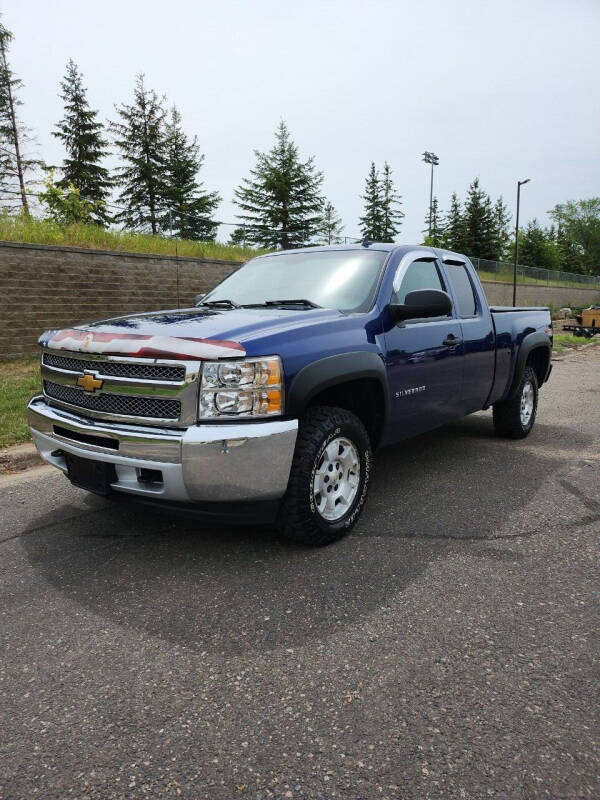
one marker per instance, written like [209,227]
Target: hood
[191,333]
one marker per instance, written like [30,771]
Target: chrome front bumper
[202,463]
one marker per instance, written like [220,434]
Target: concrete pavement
[447,649]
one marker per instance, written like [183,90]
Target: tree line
[280,204]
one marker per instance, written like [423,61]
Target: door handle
[451,340]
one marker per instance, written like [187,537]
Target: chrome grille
[117,404]
[118,369]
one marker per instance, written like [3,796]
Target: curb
[18,458]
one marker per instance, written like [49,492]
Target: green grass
[19,381]
[44,231]
[507,277]
[565,341]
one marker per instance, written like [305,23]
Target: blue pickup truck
[276,388]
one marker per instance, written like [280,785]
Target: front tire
[514,418]
[329,478]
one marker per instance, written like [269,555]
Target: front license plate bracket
[95,476]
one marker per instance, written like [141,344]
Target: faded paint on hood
[192,333]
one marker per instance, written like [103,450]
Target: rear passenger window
[419,275]
[465,296]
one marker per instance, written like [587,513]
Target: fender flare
[333,371]
[530,342]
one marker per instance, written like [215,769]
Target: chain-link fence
[503,271]
[239,234]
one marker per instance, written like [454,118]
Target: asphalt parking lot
[447,649]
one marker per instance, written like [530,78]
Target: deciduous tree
[15,163]
[579,225]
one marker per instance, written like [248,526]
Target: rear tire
[329,478]
[514,418]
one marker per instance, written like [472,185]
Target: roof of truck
[384,246]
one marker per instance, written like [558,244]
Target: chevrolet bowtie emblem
[89,383]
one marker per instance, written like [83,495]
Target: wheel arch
[354,381]
[535,351]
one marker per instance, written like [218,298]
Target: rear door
[477,332]
[423,357]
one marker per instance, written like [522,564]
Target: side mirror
[422,304]
[198,298]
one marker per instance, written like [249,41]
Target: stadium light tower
[519,184]
[430,158]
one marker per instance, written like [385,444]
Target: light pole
[430,158]
[519,184]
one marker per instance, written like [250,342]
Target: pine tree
[502,234]
[391,214]
[141,138]
[454,227]
[281,201]
[437,229]
[371,223]
[330,226]
[15,164]
[188,208]
[479,223]
[82,136]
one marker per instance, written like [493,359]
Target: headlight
[251,387]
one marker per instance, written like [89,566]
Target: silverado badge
[89,383]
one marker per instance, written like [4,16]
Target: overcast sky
[500,89]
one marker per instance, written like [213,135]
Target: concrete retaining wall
[44,287]
[500,294]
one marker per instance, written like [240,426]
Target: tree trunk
[15,132]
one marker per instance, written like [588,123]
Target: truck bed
[506,309]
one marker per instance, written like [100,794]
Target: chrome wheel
[527,403]
[336,479]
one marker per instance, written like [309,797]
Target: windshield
[342,279]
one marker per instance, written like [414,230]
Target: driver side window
[419,275]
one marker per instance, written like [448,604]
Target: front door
[424,360]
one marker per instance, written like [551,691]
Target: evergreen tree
[82,136]
[391,214]
[141,138]
[15,164]
[371,223]
[189,208]
[479,223]
[281,201]
[502,233]
[454,227]
[437,229]
[330,226]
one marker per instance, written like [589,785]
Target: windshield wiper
[302,302]
[219,303]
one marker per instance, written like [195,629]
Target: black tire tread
[294,521]
[506,415]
